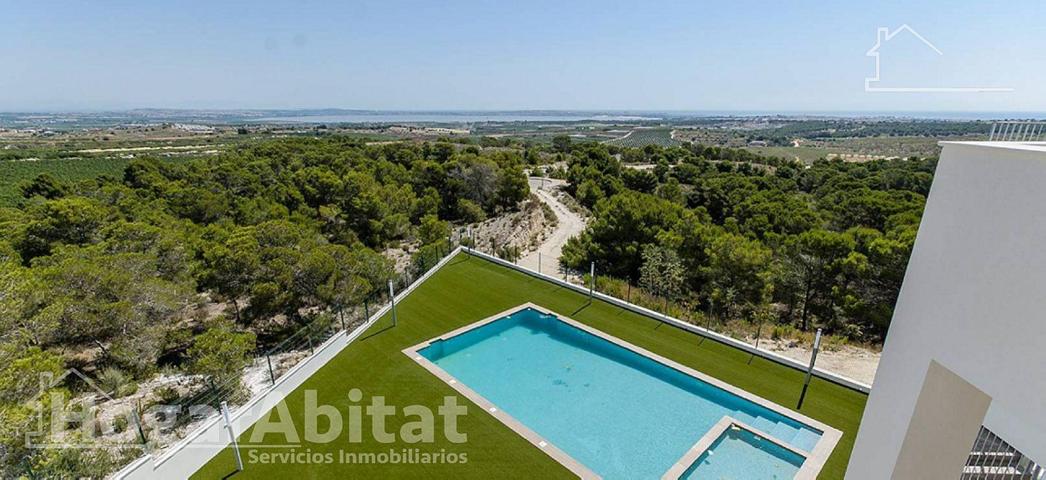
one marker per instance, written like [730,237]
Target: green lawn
[468,289]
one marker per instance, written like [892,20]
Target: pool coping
[815,459]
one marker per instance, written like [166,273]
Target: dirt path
[149,149]
[569,224]
[850,361]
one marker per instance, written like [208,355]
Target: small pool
[620,413]
[742,455]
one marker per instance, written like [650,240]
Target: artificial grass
[468,289]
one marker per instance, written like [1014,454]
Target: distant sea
[913,115]
[67,120]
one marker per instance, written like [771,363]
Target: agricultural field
[804,154]
[642,137]
[885,146]
[14,172]
[711,136]
[857,149]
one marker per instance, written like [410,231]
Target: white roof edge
[1024,146]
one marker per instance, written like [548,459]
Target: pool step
[805,440]
[764,425]
[783,432]
[802,438]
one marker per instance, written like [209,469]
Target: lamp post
[232,436]
[810,369]
[591,281]
[392,299]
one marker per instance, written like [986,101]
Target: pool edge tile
[814,459]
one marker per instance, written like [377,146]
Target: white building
[967,346]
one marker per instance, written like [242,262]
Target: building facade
[961,387]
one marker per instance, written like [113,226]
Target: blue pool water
[621,414]
[741,455]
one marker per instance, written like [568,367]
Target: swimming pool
[599,405]
[740,454]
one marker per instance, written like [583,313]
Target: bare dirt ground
[569,224]
[858,363]
[524,230]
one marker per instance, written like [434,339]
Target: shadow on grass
[458,259]
[586,305]
[376,332]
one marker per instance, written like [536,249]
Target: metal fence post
[272,374]
[138,425]
[810,369]
[366,309]
[29,467]
[392,300]
[232,436]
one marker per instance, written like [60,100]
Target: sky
[736,55]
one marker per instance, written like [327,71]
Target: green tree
[432,230]
[221,353]
[561,143]
[67,220]
[814,262]
[44,185]
[470,211]
[234,266]
[622,225]
[23,370]
[738,268]
[512,187]
[661,272]
[113,301]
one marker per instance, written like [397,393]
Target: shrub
[116,383]
[120,424]
[221,353]
[167,395]
[470,211]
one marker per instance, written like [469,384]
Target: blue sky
[691,55]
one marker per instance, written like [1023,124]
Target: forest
[729,236]
[115,274]
[110,274]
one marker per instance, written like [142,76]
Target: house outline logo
[47,382]
[883,35]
